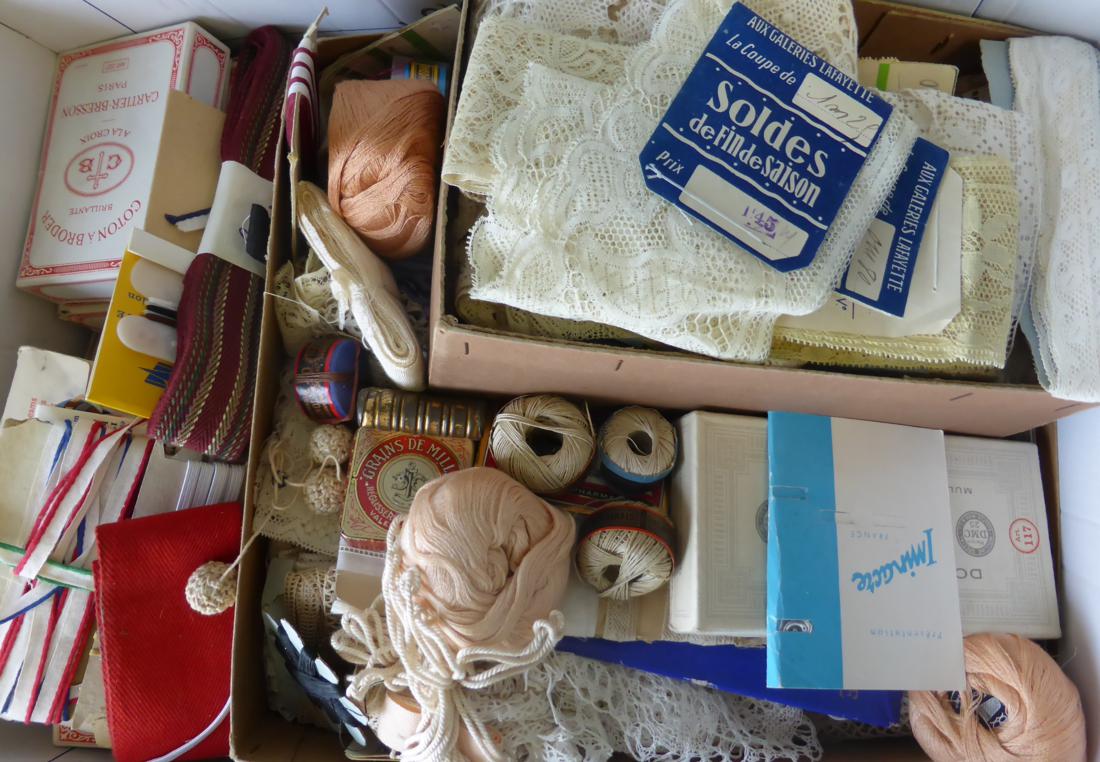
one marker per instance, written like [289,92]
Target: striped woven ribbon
[256,95]
[207,406]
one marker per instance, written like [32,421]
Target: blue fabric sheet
[736,670]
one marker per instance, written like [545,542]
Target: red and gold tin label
[387,471]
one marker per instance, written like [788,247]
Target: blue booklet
[736,670]
[861,569]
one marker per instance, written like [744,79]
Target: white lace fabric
[570,709]
[626,22]
[976,338]
[572,231]
[1057,82]
[281,509]
[306,308]
[493,86]
[827,27]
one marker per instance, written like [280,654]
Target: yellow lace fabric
[975,340]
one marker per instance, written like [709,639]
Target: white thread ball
[325,492]
[210,590]
[544,442]
[330,442]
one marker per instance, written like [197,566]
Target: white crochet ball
[325,492]
[330,440]
[210,590]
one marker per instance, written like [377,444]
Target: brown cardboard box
[466,357]
[470,358]
[258,734]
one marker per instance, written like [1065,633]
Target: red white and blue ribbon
[302,111]
[68,502]
[94,479]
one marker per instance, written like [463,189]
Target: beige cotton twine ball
[626,550]
[638,446]
[211,588]
[330,444]
[493,557]
[543,441]
[1019,706]
[325,491]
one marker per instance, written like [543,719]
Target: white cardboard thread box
[102,153]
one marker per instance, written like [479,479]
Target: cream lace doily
[977,336]
[1058,85]
[626,22]
[493,86]
[306,309]
[826,27]
[504,318]
[281,509]
[573,232]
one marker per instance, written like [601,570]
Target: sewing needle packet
[763,141]
[862,592]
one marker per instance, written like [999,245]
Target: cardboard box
[469,358]
[487,362]
[257,733]
[132,134]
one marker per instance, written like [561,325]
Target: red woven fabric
[165,667]
[256,90]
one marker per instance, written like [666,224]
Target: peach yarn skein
[493,556]
[1044,719]
[385,144]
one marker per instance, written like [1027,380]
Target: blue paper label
[763,141]
[881,271]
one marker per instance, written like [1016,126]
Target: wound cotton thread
[385,142]
[1018,707]
[637,446]
[626,550]
[472,579]
[543,441]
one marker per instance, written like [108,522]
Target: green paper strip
[883,78]
[53,572]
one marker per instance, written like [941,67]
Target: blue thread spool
[637,448]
